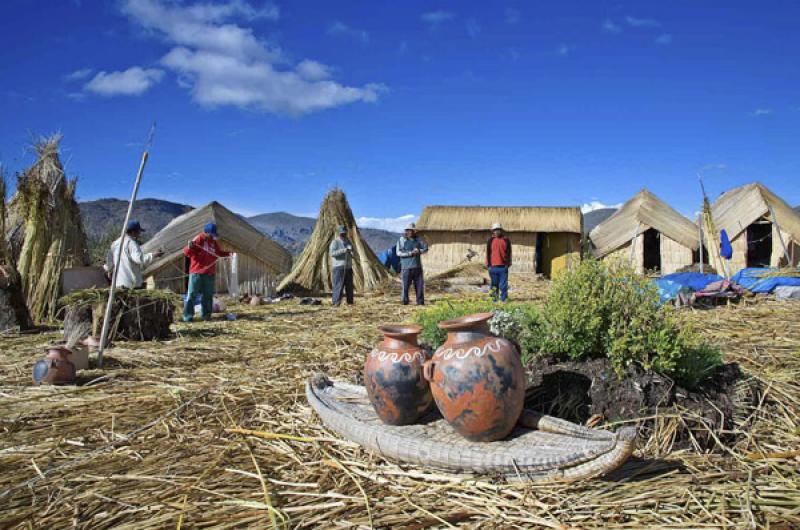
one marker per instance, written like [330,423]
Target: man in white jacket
[133,261]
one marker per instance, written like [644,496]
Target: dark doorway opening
[537,259]
[759,243]
[186,274]
[651,241]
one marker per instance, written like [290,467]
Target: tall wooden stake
[118,257]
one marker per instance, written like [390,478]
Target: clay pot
[393,376]
[477,379]
[56,368]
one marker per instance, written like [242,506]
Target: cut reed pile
[785,272]
[212,430]
[45,228]
[312,269]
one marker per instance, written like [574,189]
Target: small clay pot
[477,379]
[393,376]
[56,368]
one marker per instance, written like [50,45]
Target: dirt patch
[578,391]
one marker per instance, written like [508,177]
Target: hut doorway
[651,251]
[186,264]
[759,243]
[537,256]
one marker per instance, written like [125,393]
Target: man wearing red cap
[203,252]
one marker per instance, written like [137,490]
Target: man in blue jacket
[409,248]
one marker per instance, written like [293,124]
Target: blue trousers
[202,284]
[413,276]
[499,277]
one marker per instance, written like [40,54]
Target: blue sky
[265,106]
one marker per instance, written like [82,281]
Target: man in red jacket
[498,261]
[203,252]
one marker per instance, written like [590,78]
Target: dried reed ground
[152,444]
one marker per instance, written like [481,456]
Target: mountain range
[102,218]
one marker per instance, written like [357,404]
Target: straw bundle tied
[47,235]
[13,310]
[213,430]
[312,269]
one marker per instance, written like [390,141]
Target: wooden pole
[118,257]
[700,239]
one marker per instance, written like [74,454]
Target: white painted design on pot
[493,346]
[396,357]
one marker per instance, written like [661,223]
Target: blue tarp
[667,290]
[749,279]
[390,259]
[696,281]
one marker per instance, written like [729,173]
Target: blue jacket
[404,248]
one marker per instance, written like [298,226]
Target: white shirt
[132,264]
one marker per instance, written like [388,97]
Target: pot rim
[466,322]
[400,330]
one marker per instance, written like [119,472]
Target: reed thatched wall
[450,248]
[673,255]
[739,259]
[255,277]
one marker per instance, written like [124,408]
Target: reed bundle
[785,272]
[13,310]
[312,269]
[47,233]
[212,429]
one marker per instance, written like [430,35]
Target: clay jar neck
[467,328]
[400,337]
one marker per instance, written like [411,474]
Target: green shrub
[600,310]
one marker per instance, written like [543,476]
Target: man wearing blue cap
[133,260]
[203,252]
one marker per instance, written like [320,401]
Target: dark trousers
[342,283]
[499,277]
[413,276]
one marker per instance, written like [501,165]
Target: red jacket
[498,252]
[203,255]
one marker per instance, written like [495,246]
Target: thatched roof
[513,218]
[312,269]
[234,233]
[738,208]
[641,212]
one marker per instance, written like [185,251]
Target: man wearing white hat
[409,249]
[498,261]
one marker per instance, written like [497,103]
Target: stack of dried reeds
[13,311]
[46,232]
[312,269]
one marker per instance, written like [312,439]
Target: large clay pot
[477,379]
[393,376]
[56,368]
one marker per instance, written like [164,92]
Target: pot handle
[427,370]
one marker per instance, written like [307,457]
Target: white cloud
[512,15]
[762,112]
[597,205]
[609,26]
[564,49]
[341,29]
[392,224]
[642,22]
[223,63]
[79,75]
[131,82]
[664,39]
[434,18]
[709,167]
[473,29]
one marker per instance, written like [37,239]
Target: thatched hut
[44,229]
[257,263]
[752,215]
[312,269]
[13,311]
[647,232]
[546,239]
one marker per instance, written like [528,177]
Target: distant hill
[797,209]
[105,216]
[292,231]
[595,217]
